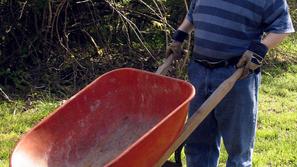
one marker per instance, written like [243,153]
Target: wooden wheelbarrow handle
[202,111]
[165,66]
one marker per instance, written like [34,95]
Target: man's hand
[250,62]
[174,48]
[252,58]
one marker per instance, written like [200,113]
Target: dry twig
[5,95]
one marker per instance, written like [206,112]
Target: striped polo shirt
[225,28]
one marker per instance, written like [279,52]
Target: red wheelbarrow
[125,118]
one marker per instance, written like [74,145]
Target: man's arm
[273,39]
[186,26]
[253,57]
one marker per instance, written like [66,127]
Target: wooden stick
[201,113]
[165,66]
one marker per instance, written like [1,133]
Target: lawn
[18,117]
[276,142]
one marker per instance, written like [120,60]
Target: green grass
[17,118]
[277,121]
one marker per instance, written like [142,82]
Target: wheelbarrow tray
[126,117]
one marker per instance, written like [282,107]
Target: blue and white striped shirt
[225,28]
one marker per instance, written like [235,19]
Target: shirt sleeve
[277,18]
[191,10]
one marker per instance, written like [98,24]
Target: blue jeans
[234,119]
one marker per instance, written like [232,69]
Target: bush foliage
[60,46]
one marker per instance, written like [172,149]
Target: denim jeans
[234,119]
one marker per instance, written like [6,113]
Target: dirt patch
[118,141]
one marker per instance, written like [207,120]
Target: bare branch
[5,95]
[92,41]
[132,26]
[22,10]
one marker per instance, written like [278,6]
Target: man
[228,34]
